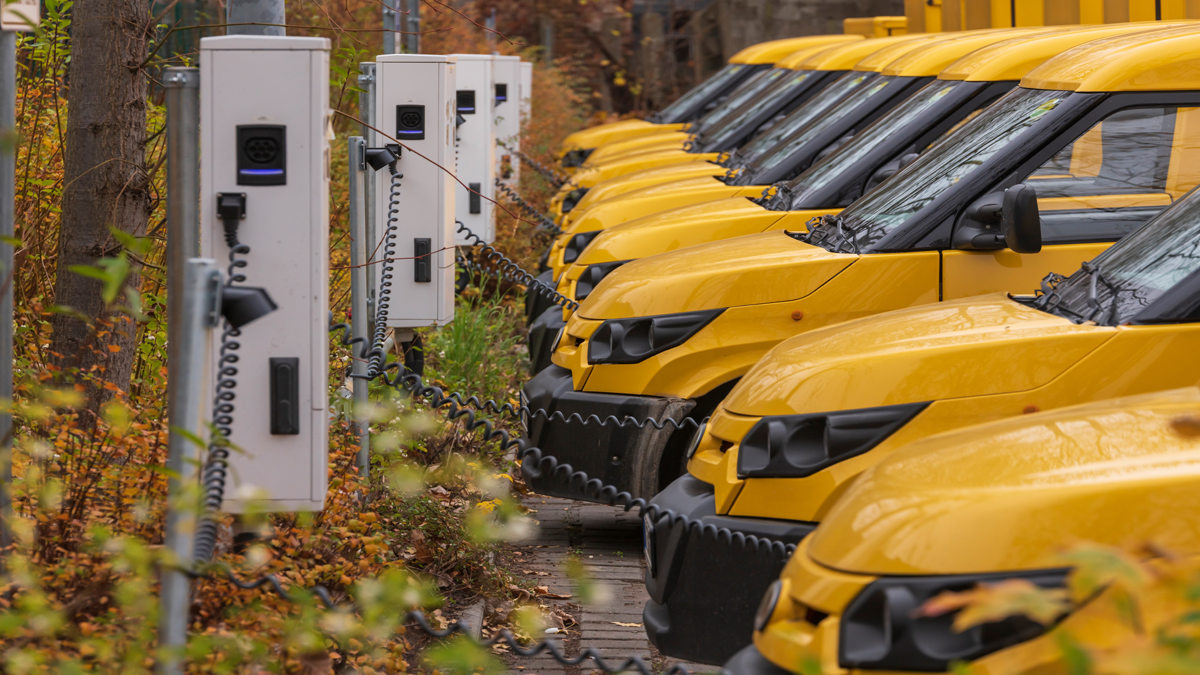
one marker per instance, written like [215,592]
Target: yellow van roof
[875,61]
[792,61]
[931,59]
[1013,59]
[843,57]
[770,52]
[1156,60]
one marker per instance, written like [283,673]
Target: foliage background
[79,591]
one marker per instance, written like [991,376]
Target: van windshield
[749,154]
[1122,281]
[843,109]
[750,89]
[720,80]
[784,88]
[941,167]
[934,98]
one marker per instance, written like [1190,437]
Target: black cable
[547,173]
[546,222]
[514,272]
[216,464]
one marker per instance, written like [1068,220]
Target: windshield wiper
[1051,298]
[1095,276]
[781,200]
[828,233]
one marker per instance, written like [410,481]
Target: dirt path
[608,541]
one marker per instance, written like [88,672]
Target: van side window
[1118,174]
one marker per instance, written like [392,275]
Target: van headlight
[881,631]
[767,606]
[635,340]
[572,199]
[592,276]
[794,446]
[577,243]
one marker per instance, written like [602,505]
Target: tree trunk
[104,180]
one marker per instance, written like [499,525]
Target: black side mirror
[999,220]
[1020,222]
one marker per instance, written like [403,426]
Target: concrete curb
[472,620]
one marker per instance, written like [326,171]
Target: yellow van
[687,108]
[983,505]
[821,408]
[1108,133]
[837,60]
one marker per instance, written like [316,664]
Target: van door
[1104,184]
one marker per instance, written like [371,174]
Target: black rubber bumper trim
[625,457]
[750,661]
[705,587]
[536,303]
[541,338]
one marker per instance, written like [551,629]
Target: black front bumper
[535,302]
[541,338]
[625,457]
[750,662]
[705,585]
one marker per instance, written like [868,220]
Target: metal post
[358,296]
[8,131]
[198,312]
[183,410]
[389,25]
[412,24]
[366,113]
[262,12]
[491,36]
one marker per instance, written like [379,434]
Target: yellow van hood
[657,199]
[637,180]
[667,140]
[675,229]
[760,268]
[1008,495]
[612,132]
[590,176]
[972,347]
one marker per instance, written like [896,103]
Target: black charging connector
[231,209]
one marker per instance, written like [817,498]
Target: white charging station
[264,148]
[508,117]
[415,99]
[475,146]
[526,90]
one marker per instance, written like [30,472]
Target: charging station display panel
[264,149]
[415,101]
[475,146]
[508,117]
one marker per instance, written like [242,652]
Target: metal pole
[183,242]
[358,297]
[8,130]
[263,12]
[389,25]
[366,112]
[198,311]
[412,24]
[491,37]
